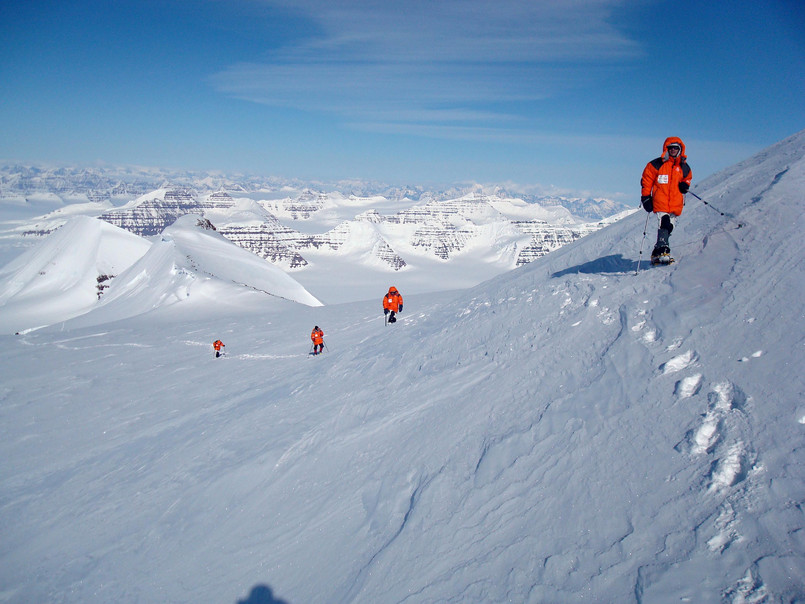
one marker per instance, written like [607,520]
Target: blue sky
[554,95]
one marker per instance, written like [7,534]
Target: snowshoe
[664,258]
[661,255]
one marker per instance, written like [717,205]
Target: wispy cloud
[464,30]
[420,63]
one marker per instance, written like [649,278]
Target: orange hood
[670,140]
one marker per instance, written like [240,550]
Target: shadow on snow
[615,263]
[261,594]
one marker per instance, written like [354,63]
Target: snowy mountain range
[117,185]
[425,245]
[583,428]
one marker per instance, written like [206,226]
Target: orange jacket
[317,335]
[393,300]
[661,178]
[218,344]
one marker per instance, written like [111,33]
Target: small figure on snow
[218,345]
[663,186]
[392,304]
[317,337]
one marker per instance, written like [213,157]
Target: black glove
[647,202]
[683,187]
[400,310]
[385,311]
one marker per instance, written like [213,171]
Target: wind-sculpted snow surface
[570,431]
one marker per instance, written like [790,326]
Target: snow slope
[58,279]
[189,257]
[569,431]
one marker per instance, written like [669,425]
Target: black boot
[662,252]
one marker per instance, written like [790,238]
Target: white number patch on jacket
[662,179]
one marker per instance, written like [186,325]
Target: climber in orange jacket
[392,304]
[218,345]
[317,337]
[664,183]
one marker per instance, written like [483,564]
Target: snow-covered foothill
[191,264]
[62,277]
[97,271]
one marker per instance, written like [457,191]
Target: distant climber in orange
[392,304]
[218,345]
[317,337]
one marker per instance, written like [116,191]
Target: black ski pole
[710,205]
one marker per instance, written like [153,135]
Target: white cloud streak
[430,62]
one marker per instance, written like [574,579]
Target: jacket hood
[670,140]
[392,290]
